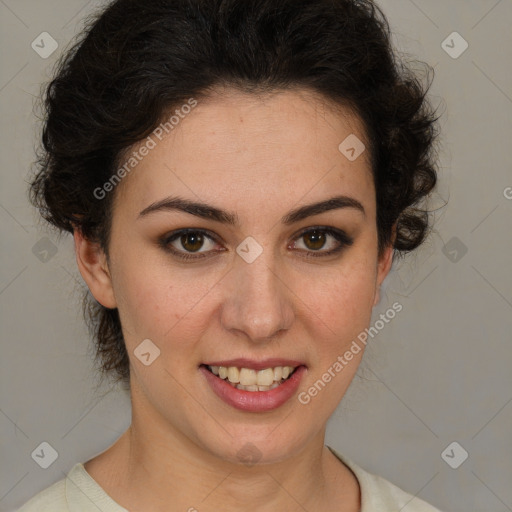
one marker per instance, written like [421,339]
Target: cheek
[156,301]
[160,301]
[344,299]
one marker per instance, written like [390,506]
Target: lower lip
[254,401]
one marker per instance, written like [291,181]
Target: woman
[238,177]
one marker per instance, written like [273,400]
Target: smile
[248,379]
[253,390]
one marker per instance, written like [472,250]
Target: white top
[79,492]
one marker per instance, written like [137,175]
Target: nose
[257,301]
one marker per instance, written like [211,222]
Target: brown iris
[196,241]
[317,238]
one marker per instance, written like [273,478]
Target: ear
[384,266]
[92,263]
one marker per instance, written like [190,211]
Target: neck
[153,466]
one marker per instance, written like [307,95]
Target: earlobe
[93,266]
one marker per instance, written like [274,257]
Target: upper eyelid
[184,231]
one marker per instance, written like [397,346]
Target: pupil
[318,239]
[197,241]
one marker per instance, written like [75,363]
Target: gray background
[438,373]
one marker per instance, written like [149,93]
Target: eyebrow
[210,212]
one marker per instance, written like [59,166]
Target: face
[272,288]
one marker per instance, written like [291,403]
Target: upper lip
[254,364]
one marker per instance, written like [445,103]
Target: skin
[258,156]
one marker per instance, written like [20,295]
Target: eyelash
[343,239]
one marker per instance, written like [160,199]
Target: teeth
[254,387]
[233,374]
[266,377]
[247,388]
[248,379]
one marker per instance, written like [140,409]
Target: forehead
[248,149]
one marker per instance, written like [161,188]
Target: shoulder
[78,491]
[379,494]
[51,499]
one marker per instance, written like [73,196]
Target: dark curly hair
[137,60]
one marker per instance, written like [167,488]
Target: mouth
[249,379]
[254,386]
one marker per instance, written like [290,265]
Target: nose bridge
[257,303]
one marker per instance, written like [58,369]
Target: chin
[259,445]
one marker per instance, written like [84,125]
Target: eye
[186,244]
[189,239]
[314,239]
